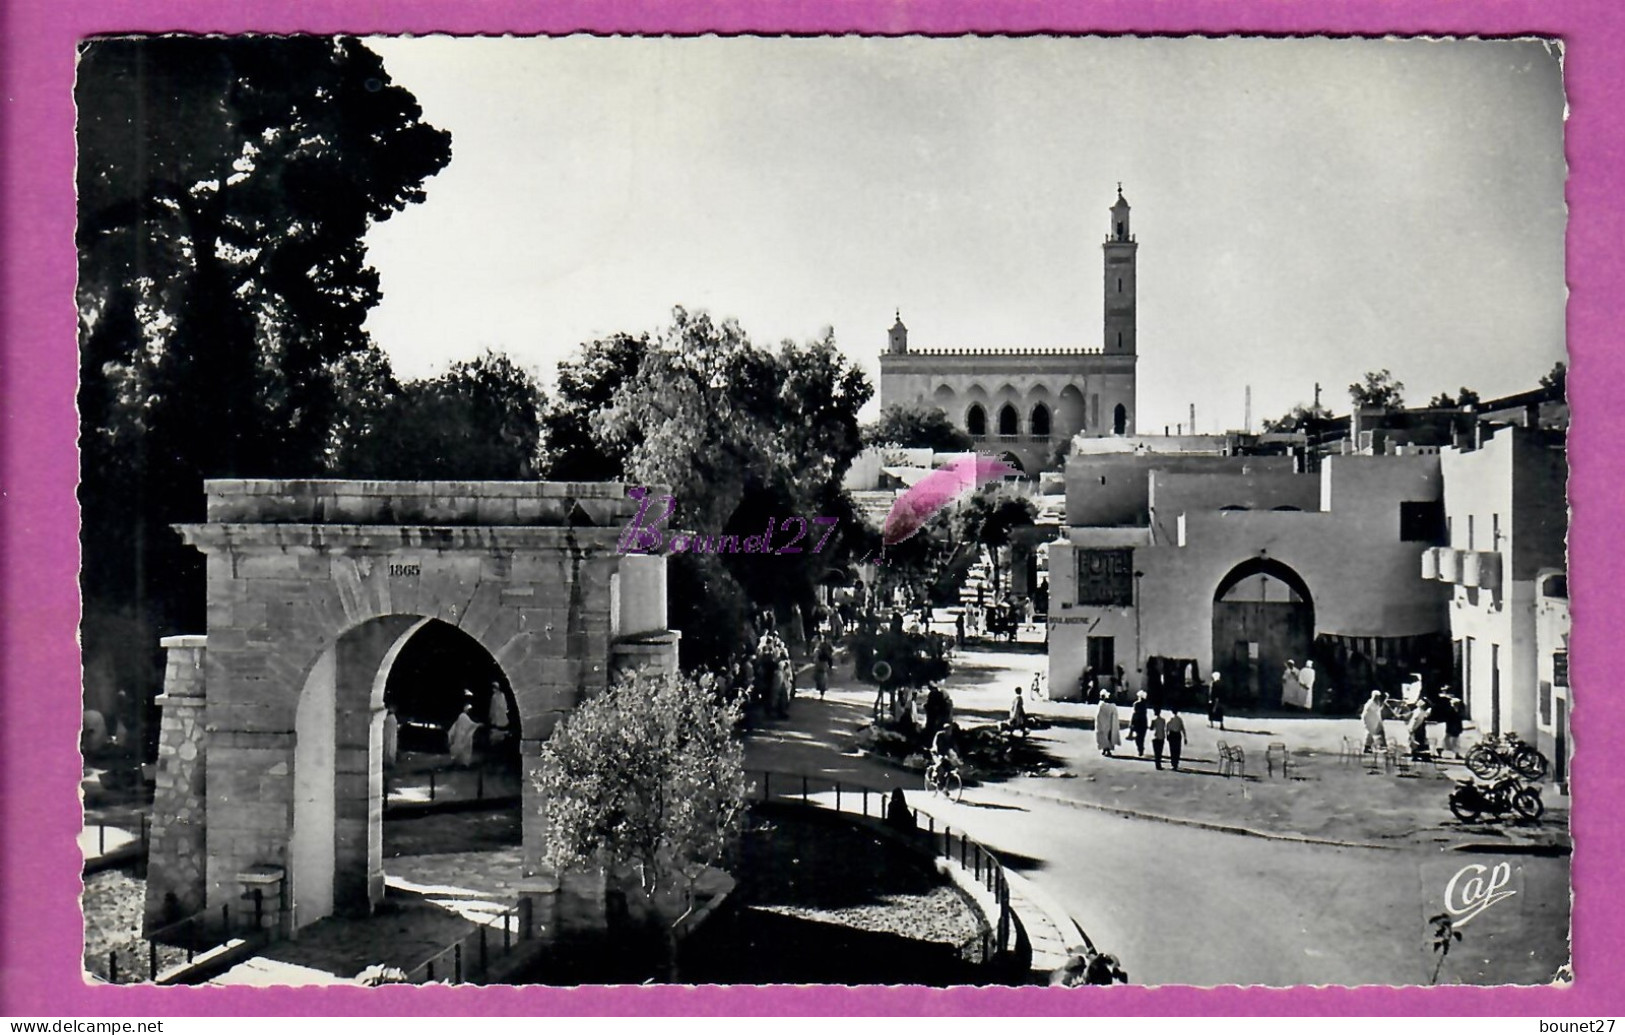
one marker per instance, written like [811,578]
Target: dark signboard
[1560,668]
[1106,577]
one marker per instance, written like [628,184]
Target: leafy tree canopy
[713,415]
[916,427]
[1298,417]
[990,516]
[479,420]
[1446,401]
[226,185]
[648,776]
[743,435]
[1557,378]
[586,386]
[1378,389]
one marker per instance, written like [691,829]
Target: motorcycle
[1471,800]
[1509,752]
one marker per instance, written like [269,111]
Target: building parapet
[432,503]
[949,350]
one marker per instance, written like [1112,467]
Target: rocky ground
[822,901]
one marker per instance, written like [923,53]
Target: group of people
[1447,710]
[462,734]
[1145,719]
[764,672]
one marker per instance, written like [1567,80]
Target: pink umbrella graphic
[938,489]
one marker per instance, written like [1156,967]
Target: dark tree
[1379,389]
[1299,417]
[917,427]
[1446,401]
[587,385]
[225,189]
[479,420]
[1557,379]
[990,517]
[744,435]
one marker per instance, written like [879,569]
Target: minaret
[1120,249]
[899,336]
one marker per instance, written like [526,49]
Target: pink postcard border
[40,940]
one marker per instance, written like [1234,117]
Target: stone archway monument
[270,761]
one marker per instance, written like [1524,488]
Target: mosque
[1031,402]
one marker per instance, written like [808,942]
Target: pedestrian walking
[1176,738]
[1371,718]
[1139,721]
[1159,736]
[1419,729]
[1306,679]
[1452,726]
[1215,703]
[1018,715]
[959,630]
[784,687]
[1106,731]
[823,661]
[1037,687]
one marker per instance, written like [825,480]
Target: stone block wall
[301,570]
[175,852]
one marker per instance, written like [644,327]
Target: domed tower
[899,336]
[1120,248]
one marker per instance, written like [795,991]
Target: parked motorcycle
[1491,756]
[1509,794]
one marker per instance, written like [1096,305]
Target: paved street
[1185,905]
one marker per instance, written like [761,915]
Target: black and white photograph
[691,510]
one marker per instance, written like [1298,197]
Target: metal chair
[1277,754]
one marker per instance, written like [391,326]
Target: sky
[1307,209]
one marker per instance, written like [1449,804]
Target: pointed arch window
[1009,422]
[1119,419]
[976,420]
[1040,421]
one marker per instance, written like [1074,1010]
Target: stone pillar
[358,781]
[565,904]
[176,850]
[656,652]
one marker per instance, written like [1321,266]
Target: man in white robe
[460,737]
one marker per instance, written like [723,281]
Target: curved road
[1185,905]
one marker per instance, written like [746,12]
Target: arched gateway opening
[1263,616]
[390,691]
[326,600]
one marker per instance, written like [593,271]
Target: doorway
[1263,617]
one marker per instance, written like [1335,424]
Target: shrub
[647,776]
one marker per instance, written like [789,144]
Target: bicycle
[942,777]
[1493,754]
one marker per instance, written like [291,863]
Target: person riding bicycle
[943,758]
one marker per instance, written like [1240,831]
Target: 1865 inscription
[405,570]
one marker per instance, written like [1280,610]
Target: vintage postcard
[952,509]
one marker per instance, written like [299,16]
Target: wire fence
[469,958]
[109,830]
[142,960]
[945,842]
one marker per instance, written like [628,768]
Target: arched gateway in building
[270,761]
[1263,616]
